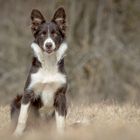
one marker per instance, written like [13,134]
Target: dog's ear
[60,19]
[37,19]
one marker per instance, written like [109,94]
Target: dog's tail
[15,109]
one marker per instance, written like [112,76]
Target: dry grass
[98,121]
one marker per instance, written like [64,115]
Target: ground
[97,121]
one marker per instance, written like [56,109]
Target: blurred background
[103,59]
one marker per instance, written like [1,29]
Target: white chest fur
[45,83]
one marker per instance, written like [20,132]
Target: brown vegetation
[98,121]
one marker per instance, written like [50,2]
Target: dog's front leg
[60,112]
[23,115]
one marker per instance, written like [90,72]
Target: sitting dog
[46,83]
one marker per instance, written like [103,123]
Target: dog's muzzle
[48,47]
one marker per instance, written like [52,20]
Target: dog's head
[49,35]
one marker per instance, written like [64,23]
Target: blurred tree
[103,56]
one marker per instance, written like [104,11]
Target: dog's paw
[19,129]
[17,133]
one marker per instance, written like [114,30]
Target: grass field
[95,122]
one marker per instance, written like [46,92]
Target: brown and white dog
[46,84]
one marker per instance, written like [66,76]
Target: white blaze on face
[49,40]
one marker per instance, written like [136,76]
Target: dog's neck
[48,61]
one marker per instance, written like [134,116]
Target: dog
[46,83]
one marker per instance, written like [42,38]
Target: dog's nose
[48,45]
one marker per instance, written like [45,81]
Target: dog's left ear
[60,19]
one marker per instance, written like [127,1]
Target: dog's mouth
[49,51]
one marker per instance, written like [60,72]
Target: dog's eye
[43,33]
[54,34]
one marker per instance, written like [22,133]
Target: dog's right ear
[37,19]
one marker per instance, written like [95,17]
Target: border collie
[46,83]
